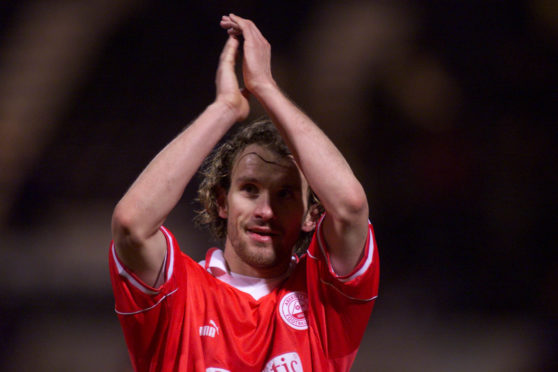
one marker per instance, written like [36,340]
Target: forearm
[328,174]
[323,165]
[157,190]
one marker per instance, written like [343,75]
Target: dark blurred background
[445,110]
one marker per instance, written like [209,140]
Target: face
[265,209]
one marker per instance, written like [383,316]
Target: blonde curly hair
[216,176]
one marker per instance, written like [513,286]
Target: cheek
[238,210]
[293,216]
[233,230]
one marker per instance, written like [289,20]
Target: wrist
[261,90]
[226,110]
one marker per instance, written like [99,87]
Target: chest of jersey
[235,332]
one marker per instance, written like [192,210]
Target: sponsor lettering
[289,362]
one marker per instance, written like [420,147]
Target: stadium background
[445,109]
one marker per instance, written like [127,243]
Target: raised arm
[145,206]
[346,223]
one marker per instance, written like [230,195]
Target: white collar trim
[256,287]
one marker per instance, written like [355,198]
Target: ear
[311,219]
[222,203]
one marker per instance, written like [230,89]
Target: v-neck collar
[216,265]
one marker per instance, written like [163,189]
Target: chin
[262,257]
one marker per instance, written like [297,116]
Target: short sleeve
[131,294]
[359,285]
[145,313]
[340,306]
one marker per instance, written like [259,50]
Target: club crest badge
[293,309]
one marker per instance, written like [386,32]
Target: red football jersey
[206,319]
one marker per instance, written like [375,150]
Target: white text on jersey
[289,362]
[209,330]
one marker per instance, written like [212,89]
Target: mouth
[262,235]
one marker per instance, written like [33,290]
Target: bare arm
[346,224]
[145,206]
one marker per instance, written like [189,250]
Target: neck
[251,266]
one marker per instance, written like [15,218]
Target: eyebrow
[247,179]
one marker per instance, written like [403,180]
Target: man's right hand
[256,68]
[228,89]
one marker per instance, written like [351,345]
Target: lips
[261,234]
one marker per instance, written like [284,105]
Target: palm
[228,89]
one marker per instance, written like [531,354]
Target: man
[253,306]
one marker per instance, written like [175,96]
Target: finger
[229,50]
[236,33]
[248,28]
[226,23]
[239,22]
[231,27]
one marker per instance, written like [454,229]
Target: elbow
[354,205]
[124,226]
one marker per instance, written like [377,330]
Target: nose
[264,209]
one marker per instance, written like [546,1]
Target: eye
[286,193]
[250,189]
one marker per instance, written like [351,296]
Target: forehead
[262,164]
